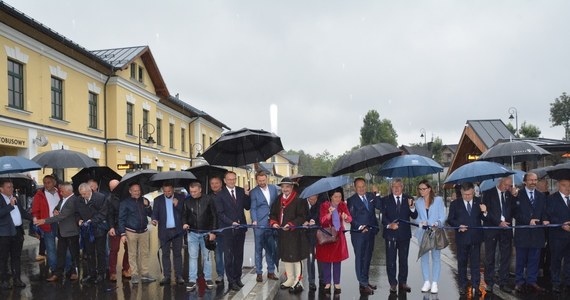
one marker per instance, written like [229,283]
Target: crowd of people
[285,229]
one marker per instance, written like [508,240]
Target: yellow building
[102,103]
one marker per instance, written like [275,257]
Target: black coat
[524,212]
[390,214]
[558,213]
[95,210]
[492,200]
[229,211]
[293,244]
[458,215]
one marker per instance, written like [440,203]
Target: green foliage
[529,130]
[511,128]
[560,112]
[375,131]
[437,149]
[320,164]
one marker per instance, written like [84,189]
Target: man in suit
[262,196]
[167,213]
[314,205]
[530,209]
[94,215]
[11,235]
[499,202]
[362,209]
[68,230]
[215,187]
[558,211]
[465,213]
[397,206]
[230,204]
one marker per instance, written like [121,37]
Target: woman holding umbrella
[333,213]
[287,211]
[431,212]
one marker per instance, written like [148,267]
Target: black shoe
[312,287]
[179,280]
[165,281]
[239,283]
[296,289]
[234,287]
[191,286]
[18,283]
[372,286]
[405,287]
[366,290]
[99,279]
[506,289]
[283,287]
[87,279]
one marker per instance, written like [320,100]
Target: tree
[436,148]
[511,128]
[529,130]
[375,131]
[560,113]
[320,164]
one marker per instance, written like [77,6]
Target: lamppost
[513,110]
[423,135]
[198,148]
[149,129]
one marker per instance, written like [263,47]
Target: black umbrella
[100,174]
[20,181]
[140,177]
[176,178]
[17,164]
[541,172]
[205,172]
[242,147]
[559,172]
[365,157]
[512,152]
[61,159]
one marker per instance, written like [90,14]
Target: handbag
[327,235]
[440,239]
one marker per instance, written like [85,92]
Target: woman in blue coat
[431,212]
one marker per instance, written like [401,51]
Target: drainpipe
[105,115]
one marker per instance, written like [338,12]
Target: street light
[423,135]
[513,110]
[148,129]
[198,148]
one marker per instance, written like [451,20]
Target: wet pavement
[34,274]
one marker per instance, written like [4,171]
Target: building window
[130,108]
[15,85]
[210,142]
[203,140]
[141,72]
[159,168]
[171,135]
[145,121]
[133,71]
[56,98]
[92,110]
[159,132]
[182,139]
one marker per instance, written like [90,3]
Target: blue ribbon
[488,227]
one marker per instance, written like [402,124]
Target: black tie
[234,196]
[503,204]
[469,207]
[567,200]
[398,204]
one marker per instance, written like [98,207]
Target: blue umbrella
[478,171]
[324,185]
[409,166]
[491,183]
[17,164]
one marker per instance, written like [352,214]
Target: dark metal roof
[452,147]
[266,167]
[552,145]
[419,150]
[292,158]
[489,131]
[196,113]
[120,57]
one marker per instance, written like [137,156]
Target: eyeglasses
[423,189]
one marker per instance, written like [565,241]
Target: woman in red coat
[333,213]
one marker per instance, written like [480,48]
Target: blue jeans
[220,256]
[263,240]
[195,243]
[51,253]
[435,263]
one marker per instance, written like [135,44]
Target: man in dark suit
[314,205]
[68,230]
[558,211]
[11,235]
[167,213]
[215,187]
[362,209]
[499,202]
[262,197]
[465,213]
[394,207]
[230,204]
[530,209]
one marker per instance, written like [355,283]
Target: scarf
[285,202]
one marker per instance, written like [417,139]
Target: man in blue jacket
[133,222]
[167,213]
[262,196]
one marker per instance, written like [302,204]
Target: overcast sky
[421,64]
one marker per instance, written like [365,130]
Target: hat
[287,180]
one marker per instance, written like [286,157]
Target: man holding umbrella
[362,209]
[167,213]
[262,197]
